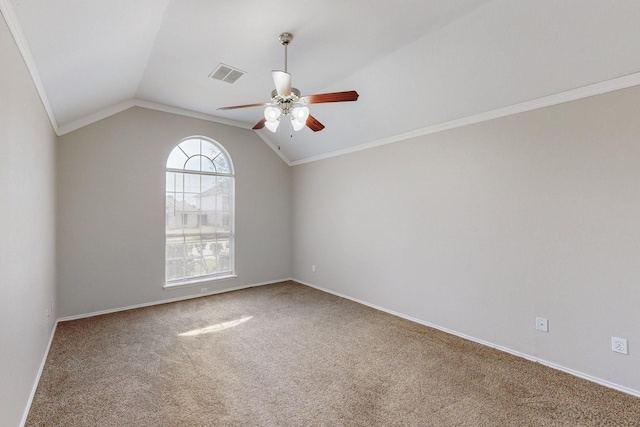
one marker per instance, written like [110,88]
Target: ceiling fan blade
[282,82]
[314,124]
[243,106]
[259,125]
[320,98]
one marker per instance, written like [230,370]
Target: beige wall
[477,230]
[111,220]
[481,229]
[27,235]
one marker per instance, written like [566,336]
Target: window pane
[176,159]
[210,226]
[193,164]
[198,212]
[191,146]
[191,202]
[175,269]
[175,248]
[210,150]
[224,184]
[210,264]
[207,165]
[222,255]
[221,164]
[207,182]
[175,182]
[171,217]
[190,244]
[171,181]
[191,183]
[179,180]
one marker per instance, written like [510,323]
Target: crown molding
[274,147]
[18,36]
[189,113]
[10,17]
[95,117]
[534,104]
[7,10]
[107,112]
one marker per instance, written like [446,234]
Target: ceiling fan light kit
[272,117]
[287,102]
[299,117]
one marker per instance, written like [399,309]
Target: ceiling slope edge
[275,148]
[16,31]
[110,111]
[534,104]
[18,36]
[189,113]
[95,117]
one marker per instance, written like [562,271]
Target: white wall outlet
[203,290]
[313,268]
[619,345]
[47,314]
[542,324]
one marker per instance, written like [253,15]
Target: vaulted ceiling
[418,65]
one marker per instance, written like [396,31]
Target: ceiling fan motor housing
[286,101]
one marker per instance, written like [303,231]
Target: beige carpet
[289,355]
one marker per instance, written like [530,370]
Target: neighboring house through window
[199,212]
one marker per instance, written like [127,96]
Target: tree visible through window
[199,212]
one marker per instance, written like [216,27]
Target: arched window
[199,212]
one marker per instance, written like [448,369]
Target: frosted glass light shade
[272,117]
[272,126]
[271,114]
[299,117]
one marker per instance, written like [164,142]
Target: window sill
[198,281]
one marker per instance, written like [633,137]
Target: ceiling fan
[287,102]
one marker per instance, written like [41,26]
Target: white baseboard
[169,300]
[37,380]
[97,313]
[412,319]
[575,373]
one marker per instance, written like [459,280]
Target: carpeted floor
[289,355]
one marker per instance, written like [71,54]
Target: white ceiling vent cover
[226,73]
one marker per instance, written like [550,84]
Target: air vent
[226,73]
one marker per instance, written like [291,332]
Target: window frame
[229,273]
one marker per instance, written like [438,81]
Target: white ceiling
[418,65]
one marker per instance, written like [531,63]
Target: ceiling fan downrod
[286,101]
[285,39]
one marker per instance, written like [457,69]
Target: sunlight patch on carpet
[215,328]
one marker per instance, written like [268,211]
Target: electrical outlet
[313,268]
[203,290]
[619,345]
[47,314]
[542,324]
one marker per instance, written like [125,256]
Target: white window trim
[198,281]
[228,275]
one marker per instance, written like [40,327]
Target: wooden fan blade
[259,125]
[282,82]
[314,124]
[243,106]
[320,98]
